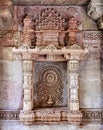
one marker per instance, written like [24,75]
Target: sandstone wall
[91,96]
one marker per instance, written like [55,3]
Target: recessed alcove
[50,84]
[50,68]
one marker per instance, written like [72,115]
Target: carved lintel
[73,52]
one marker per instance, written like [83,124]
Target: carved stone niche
[49,28]
[50,71]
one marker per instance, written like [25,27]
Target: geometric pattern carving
[49,85]
[93,35]
[50,78]
[9,115]
[89,116]
[49,19]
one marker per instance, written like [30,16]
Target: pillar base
[27,117]
[52,116]
[74,117]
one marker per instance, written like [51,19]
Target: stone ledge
[89,116]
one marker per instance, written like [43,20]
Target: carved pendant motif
[49,85]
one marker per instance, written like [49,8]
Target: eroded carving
[50,19]
[6,15]
[50,27]
[27,31]
[95,9]
[73,30]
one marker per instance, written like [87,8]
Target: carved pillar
[26,115]
[39,38]
[28,85]
[74,116]
[73,85]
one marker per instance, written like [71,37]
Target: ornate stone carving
[95,9]
[6,18]
[100,23]
[49,80]
[48,26]
[92,35]
[93,40]
[50,23]
[74,117]
[73,30]
[27,31]
[89,116]
[27,116]
[73,84]
[9,115]
[50,19]
[10,38]
[50,29]
[48,116]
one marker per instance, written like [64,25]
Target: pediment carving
[51,47]
[49,19]
[75,46]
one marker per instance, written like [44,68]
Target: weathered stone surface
[6,17]
[48,2]
[90,84]
[5,2]
[95,9]
[7,125]
[11,91]
[6,53]
[88,23]
[10,85]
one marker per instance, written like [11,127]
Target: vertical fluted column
[27,115]
[72,66]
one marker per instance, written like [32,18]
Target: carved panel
[58,13]
[10,38]
[50,19]
[89,116]
[9,115]
[50,84]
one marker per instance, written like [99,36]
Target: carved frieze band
[93,35]
[89,115]
[92,115]
[9,115]
[13,38]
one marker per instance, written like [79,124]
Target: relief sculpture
[51,96]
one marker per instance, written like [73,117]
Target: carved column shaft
[28,85]
[27,115]
[73,85]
